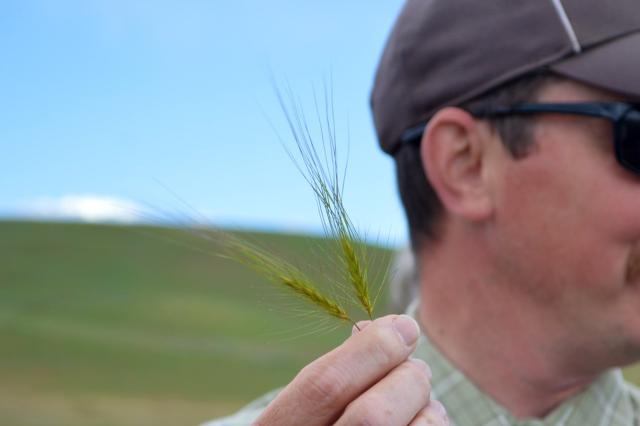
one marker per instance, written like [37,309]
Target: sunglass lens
[628,149]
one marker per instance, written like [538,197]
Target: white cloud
[87,208]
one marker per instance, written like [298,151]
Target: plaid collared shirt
[609,401]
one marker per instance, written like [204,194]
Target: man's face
[567,231]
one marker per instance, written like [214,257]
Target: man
[517,149]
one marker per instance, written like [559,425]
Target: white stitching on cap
[562,14]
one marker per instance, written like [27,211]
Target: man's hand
[368,380]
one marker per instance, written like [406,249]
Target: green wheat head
[317,160]
[281,272]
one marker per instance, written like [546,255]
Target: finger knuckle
[370,413]
[322,386]
[369,419]
[418,377]
[387,350]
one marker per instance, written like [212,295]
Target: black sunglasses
[624,116]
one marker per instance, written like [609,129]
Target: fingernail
[422,365]
[408,329]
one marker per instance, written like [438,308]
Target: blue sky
[102,100]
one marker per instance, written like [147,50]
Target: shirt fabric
[608,401]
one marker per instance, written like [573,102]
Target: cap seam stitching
[566,23]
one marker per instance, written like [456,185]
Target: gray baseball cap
[447,52]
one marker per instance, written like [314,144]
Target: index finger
[321,391]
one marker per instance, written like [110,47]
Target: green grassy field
[107,325]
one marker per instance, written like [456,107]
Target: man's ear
[453,151]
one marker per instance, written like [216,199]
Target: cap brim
[614,66]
